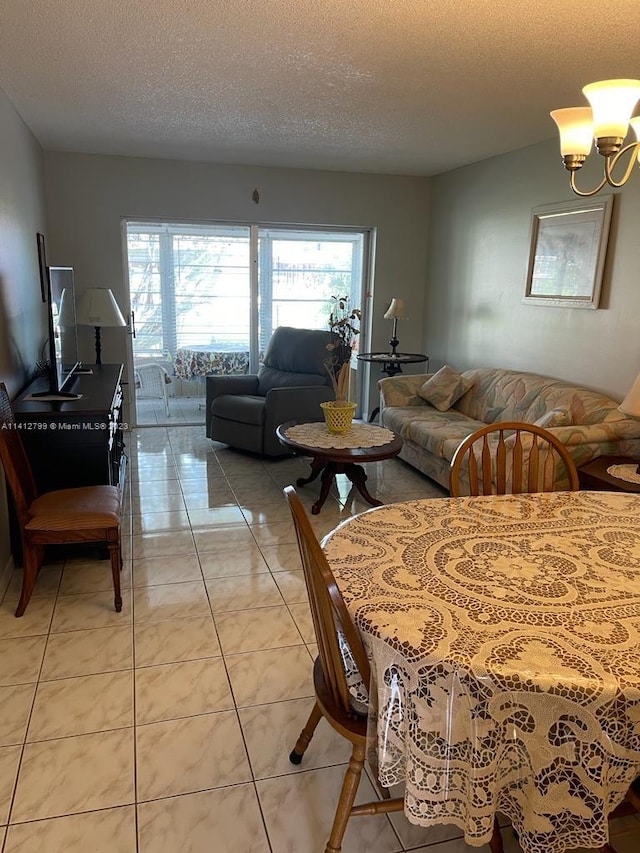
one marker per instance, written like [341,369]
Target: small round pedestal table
[391,364]
[339,454]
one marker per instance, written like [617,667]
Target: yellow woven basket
[338,416]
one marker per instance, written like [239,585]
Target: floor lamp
[98,307]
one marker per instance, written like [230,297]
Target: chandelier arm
[611,163]
[585,193]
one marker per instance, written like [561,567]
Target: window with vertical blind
[204,288]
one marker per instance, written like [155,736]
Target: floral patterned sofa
[594,425]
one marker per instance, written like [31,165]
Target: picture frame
[567,253]
[42,266]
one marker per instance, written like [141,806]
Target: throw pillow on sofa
[554,418]
[444,388]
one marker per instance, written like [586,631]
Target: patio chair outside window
[152,381]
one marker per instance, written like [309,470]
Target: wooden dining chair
[61,517]
[339,644]
[510,458]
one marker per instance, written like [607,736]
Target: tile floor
[167,728]
[183,411]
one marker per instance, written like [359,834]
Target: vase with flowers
[344,322]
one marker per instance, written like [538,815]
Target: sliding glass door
[206,298]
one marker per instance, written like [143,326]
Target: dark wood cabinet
[76,442]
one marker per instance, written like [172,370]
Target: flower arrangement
[345,322]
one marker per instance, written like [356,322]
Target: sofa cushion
[498,394]
[429,428]
[554,418]
[243,409]
[444,388]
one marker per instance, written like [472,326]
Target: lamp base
[98,346]
[393,343]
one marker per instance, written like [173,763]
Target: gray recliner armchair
[244,411]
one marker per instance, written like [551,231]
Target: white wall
[478,251]
[22,314]
[88,196]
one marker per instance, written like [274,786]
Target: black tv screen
[63,339]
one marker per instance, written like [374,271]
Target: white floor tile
[108,831]
[299,811]
[191,822]
[75,774]
[170,601]
[182,689]
[189,755]
[271,732]
[181,639]
[21,659]
[270,676]
[88,651]
[76,706]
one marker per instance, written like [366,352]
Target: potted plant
[345,323]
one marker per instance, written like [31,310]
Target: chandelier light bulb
[575,125]
[612,102]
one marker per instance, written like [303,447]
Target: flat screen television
[63,339]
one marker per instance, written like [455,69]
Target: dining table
[504,638]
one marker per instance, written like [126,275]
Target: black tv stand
[75,441]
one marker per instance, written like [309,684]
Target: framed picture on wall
[567,253]
[42,265]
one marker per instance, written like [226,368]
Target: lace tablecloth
[628,473]
[360,435]
[193,364]
[505,639]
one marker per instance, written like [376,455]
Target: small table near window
[391,365]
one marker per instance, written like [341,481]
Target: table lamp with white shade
[394,312]
[631,403]
[98,307]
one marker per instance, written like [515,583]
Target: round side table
[594,475]
[330,461]
[391,365]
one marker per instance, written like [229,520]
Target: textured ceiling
[395,86]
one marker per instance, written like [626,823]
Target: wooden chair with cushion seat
[527,459]
[339,646]
[61,517]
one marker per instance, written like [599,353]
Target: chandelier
[606,122]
